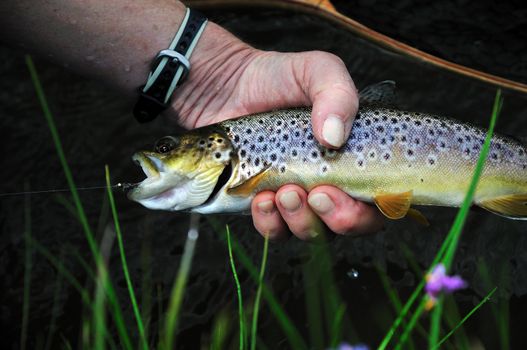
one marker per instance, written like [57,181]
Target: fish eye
[165,144]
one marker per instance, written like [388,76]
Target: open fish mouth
[154,186]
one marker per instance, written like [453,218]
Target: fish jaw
[169,189]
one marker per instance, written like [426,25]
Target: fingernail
[266,207]
[333,130]
[290,201]
[321,203]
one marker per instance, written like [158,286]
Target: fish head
[182,171]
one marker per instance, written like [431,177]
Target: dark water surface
[97,128]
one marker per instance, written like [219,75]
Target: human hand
[239,80]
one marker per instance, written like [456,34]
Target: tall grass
[329,323]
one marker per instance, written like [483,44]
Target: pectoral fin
[248,186]
[394,205]
[512,206]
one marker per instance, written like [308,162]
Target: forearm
[113,41]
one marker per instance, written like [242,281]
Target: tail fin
[512,206]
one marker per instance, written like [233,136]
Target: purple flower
[438,281]
[346,346]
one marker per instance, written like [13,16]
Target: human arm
[116,41]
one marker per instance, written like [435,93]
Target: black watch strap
[169,69]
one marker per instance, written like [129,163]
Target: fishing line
[122,186]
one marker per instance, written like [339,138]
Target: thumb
[333,96]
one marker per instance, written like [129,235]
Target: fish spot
[372,155]
[386,156]
[236,138]
[252,147]
[367,121]
[360,163]
[273,157]
[243,153]
[261,138]
[282,168]
[441,144]
[430,132]
[410,154]
[417,141]
[294,153]
[359,149]
[217,155]
[314,155]
[403,140]
[417,122]
[297,134]
[393,120]
[494,156]
[249,131]
[466,152]
[257,161]
[431,161]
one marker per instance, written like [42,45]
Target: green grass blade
[311,279]
[459,222]
[411,324]
[99,310]
[435,323]
[448,247]
[336,332]
[293,336]
[58,146]
[463,212]
[220,331]
[178,290]
[254,325]
[480,304]
[27,269]
[238,289]
[124,264]
[81,216]
[396,302]
[54,309]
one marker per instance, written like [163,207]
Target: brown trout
[392,158]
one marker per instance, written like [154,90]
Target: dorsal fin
[382,93]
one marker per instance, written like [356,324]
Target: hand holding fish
[115,41]
[254,81]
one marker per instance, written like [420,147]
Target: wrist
[217,62]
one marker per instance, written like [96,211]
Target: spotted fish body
[391,157]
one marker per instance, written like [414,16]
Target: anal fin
[513,206]
[394,205]
[418,216]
